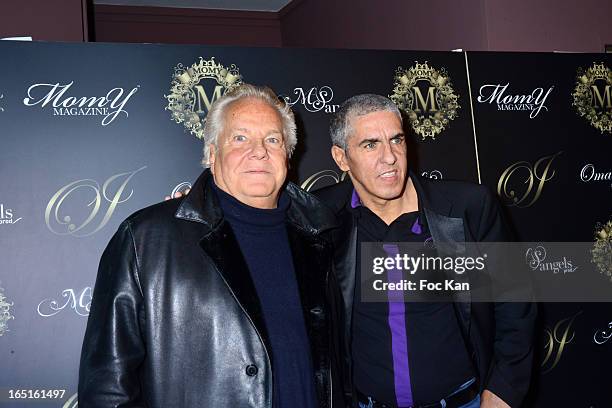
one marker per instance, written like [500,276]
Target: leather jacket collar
[305,212]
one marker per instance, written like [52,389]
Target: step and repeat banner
[90,133]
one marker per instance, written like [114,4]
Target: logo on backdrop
[556,339]
[7,215]
[181,188]
[1,98]
[602,336]
[521,184]
[588,174]
[86,198]
[426,95]
[56,96]
[5,312]
[533,102]
[313,99]
[536,259]
[79,302]
[194,89]
[72,402]
[601,253]
[330,176]
[592,96]
[432,174]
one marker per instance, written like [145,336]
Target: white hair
[215,119]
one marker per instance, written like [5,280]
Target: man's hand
[178,194]
[490,400]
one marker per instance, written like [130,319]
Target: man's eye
[274,140]
[370,145]
[240,138]
[397,140]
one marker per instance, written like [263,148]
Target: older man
[446,354]
[218,299]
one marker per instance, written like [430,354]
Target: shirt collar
[417,226]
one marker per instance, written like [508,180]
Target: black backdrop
[88,137]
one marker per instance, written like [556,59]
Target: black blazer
[499,336]
[175,319]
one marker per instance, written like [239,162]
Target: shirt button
[251,370]
[316,310]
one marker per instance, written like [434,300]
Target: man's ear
[339,155]
[211,158]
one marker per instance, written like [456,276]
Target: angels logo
[536,258]
[426,95]
[194,89]
[5,312]
[7,215]
[592,96]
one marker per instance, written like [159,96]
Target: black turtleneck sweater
[262,237]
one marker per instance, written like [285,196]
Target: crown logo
[422,70]
[592,98]
[427,97]
[599,71]
[186,89]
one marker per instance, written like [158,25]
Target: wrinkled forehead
[253,114]
[380,123]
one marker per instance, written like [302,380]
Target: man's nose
[258,149]
[388,155]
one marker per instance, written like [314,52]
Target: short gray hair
[358,105]
[215,119]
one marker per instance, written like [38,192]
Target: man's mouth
[388,174]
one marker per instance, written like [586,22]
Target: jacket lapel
[219,243]
[345,263]
[449,236]
[222,247]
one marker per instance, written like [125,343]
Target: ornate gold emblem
[601,254]
[429,115]
[5,312]
[592,96]
[194,89]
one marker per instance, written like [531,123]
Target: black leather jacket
[175,320]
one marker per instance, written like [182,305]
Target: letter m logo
[601,101]
[424,104]
[203,102]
